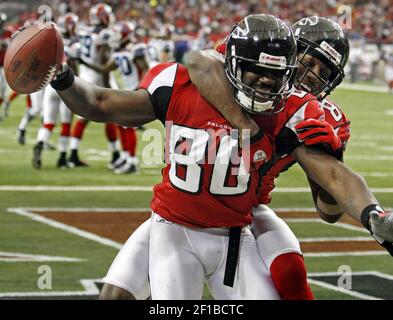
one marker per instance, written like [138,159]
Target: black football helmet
[323,39]
[264,45]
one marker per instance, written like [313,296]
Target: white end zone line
[85,209]
[344,254]
[364,88]
[342,290]
[65,227]
[6,188]
[355,294]
[90,289]
[77,188]
[24,257]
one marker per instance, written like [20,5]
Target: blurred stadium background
[75,220]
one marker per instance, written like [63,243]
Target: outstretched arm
[104,69]
[207,73]
[347,187]
[350,191]
[126,108]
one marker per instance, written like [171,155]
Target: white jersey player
[53,106]
[32,111]
[130,60]
[162,48]
[389,70]
[94,50]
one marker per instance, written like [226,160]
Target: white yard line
[377,174]
[364,88]
[336,239]
[24,257]
[353,273]
[65,227]
[368,157]
[344,254]
[342,290]
[141,189]
[90,289]
[85,210]
[318,220]
[77,188]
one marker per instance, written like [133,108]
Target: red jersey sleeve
[161,82]
[299,106]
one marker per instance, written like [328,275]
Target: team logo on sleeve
[259,155]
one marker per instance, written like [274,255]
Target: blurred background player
[162,46]
[53,106]
[33,109]
[130,59]
[95,50]
[13,95]
[5,37]
[388,57]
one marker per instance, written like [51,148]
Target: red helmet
[166,30]
[100,14]
[67,23]
[126,30]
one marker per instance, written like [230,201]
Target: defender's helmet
[101,14]
[122,33]
[323,39]
[266,46]
[67,23]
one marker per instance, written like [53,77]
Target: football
[33,57]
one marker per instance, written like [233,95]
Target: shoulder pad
[104,36]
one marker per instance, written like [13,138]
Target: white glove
[381,224]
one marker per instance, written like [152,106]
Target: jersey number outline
[334,110]
[190,160]
[124,65]
[86,42]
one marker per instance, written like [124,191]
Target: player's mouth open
[307,88]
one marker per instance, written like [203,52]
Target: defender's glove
[380,225]
[313,131]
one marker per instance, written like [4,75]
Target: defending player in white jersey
[94,50]
[130,59]
[53,106]
[388,57]
[162,48]
[5,36]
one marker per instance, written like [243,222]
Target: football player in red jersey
[183,199]
[277,244]
[95,50]
[323,52]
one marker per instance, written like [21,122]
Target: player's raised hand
[33,57]
[313,132]
[380,225]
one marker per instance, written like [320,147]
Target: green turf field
[370,152]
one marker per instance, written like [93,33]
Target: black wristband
[365,216]
[64,80]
